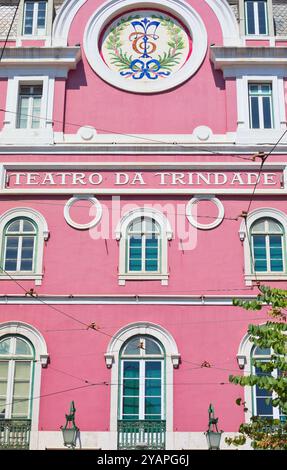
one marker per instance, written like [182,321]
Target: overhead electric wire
[135,136]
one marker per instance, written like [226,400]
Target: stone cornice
[141,149]
[39,57]
[223,57]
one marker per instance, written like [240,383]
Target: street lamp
[213,436]
[70,430]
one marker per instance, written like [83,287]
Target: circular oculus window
[145,50]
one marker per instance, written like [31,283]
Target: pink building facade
[134,207]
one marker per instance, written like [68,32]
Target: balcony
[141,435]
[15,433]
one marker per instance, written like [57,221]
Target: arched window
[142,357]
[263,235]
[143,246]
[142,377]
[20,245]
[261,407]
[267,244]
[16,376]
[24,231]
[143,235]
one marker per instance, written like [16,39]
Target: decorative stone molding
[92,223]
[56,58]
[180,10]
[191,204]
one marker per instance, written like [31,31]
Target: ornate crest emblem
[145,45]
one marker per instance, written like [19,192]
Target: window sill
[143,277]
[247,135]
[23,277]
[15,136]
[250,278]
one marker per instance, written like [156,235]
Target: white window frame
[267,238]
[260,105]
[12,359]
[143,249]
[274,374]
[35,31]
[30,109]
[11,131]
[244,132]
[172,359]
[261,213]
[244,355]
[269,21]
[42,236]
[256,18]
[20,236]
[165,236]
[34,36]
[142,359]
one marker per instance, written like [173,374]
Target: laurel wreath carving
[167,60]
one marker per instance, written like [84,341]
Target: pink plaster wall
[33,42]
[209,334]
[199,101]
[205,267]
[257,43]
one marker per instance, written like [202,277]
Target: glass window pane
[2,407]
[22,370]
[41,15]
[20,408]
[276,253]
[153,387]
[131,387]
[36,112]
[133,346]
[267,113]
[151,265]
[262,351]
[131,369]
[262,17]
[21,389]
[10,265]
[3,388]
[28,226]
[263,408]
[151,347]
[23,348]
[153,369]
[250,20]
[14,226]
[259,252]
[5,347]
[258,226]
[254,111]
[23,112]
[12,242]
[131,405]
[152,405]
[136,226]
[274,226]
[150,225]
[4,370]
[26,265]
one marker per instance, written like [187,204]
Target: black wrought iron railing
[141,434]
[15,433]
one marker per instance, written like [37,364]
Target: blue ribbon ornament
[141,69]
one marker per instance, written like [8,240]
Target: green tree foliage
[266,433]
